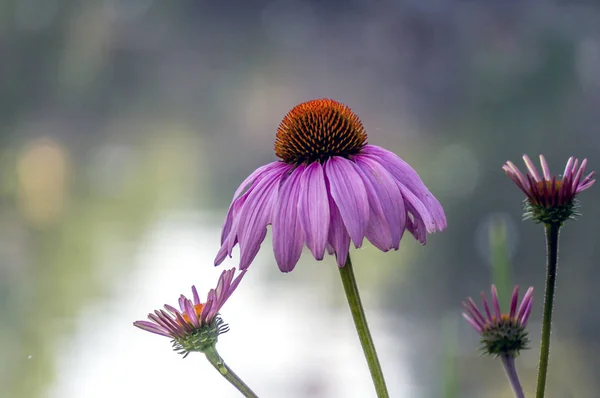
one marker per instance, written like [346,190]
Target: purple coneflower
[501,334]
[550,200]
[328,189]
[195,325]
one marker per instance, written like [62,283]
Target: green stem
[360,321]
[213,357]
[511,373]
[552,231]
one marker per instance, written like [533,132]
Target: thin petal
[475,325]
[513,302]
[196,296]
[152,328]
[545,168]
[286,228]
[496,303]
[526,313]
[525,302]
[313,209]
[191,313]
[531,167]
[350,196]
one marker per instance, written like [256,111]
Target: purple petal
[475,325]
[515,174]
[406,175]
[196,296]
[513,302]
[545,168]
[256,214]
[313,209]
[525,302]
[531,167]
[171,309]
[568,168]
[417,208]
[350,196]
[338,239]
[578,175]
[496,303]
[216,298]
[388,215]
[190,310]
[475,313]
[486,307]
[526,313]
[152,328]
[415,225]
[286,228]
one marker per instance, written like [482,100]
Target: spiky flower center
[504,336]
[200,339]
[316,130]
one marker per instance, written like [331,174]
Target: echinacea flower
[501,333]
[195,326]
[329,188]
[549,199]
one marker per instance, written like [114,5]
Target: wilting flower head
[329,188]
[195,326]
[501,334]
[550,200]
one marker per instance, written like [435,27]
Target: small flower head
[195,326]
[551,200]
[330,188]
[501,334]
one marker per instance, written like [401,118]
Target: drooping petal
[288,237]
[406,175]
[247,185]
[230,230]
[388,215]
[350,196]
[313,209]
[415,225]
[256,214]
[338,239]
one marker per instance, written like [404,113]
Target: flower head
[195,326]
[550,200]
[329,188]
[501,333]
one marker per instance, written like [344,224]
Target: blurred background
[126,125]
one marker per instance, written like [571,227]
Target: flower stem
[362,327]
[552,230]
[215,359]
[513,378]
